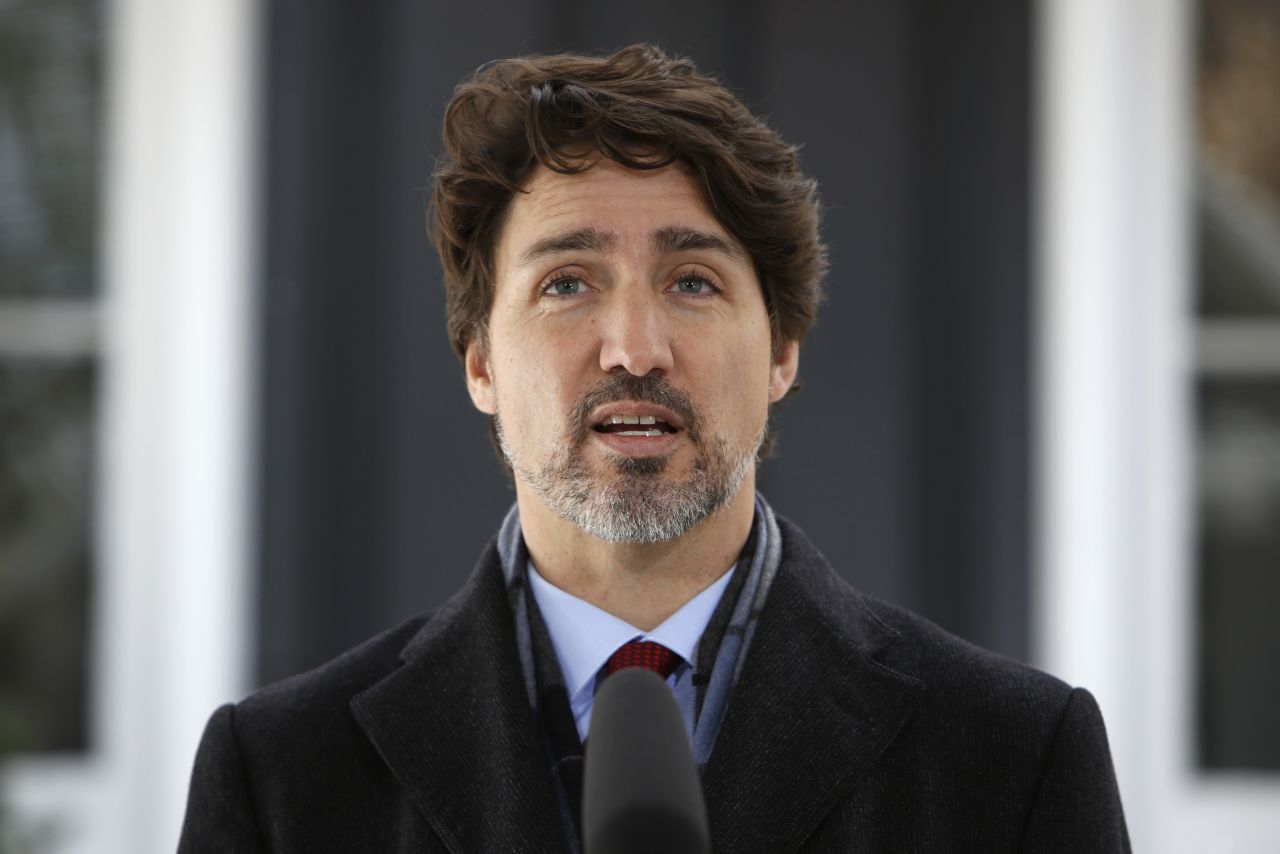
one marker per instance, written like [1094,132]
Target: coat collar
[816,701]
[814,708]
[454,725]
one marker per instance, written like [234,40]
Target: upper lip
[626,407]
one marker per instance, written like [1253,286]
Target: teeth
[632,419]
[638,433]
[648,419]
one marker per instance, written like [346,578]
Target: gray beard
[638,504]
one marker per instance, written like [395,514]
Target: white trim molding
[172,630]
[1112,329]
[174,622]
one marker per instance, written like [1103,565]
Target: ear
[786,361]
[480,378]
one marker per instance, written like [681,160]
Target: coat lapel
[455,727]
[812,711]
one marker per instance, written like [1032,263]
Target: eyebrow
[667,240]
[579,240]
[679,238]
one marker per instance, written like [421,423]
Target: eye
[564,286]
[694,285]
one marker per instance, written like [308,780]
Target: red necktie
[646,655]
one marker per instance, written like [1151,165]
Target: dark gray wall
[905,457]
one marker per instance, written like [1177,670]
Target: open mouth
[624,424]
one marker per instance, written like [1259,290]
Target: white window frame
[172,633]
[1117,361]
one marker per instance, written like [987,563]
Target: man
[631,261]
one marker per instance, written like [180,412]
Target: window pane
[1240,573]
[49,132]
[46,445]
[1238,113]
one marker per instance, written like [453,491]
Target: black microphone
[641,793]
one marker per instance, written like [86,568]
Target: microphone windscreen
[641,793]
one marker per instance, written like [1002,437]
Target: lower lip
[639,446]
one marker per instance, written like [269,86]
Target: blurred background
[1041,405]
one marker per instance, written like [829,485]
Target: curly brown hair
[645,110]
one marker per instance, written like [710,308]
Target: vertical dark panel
[446,492]
[838,81]
[971,318]
[694,29]
[324,372]
[378,488]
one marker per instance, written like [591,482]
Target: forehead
[629,203]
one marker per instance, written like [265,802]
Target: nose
[634,333]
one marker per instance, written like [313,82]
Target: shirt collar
[584,636]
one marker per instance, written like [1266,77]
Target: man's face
[629,359]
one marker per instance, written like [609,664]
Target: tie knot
[646,655]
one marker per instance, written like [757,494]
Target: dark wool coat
[855,726]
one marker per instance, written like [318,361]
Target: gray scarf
[733,645]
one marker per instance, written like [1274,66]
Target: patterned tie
[646,655]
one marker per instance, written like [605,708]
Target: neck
[641,583]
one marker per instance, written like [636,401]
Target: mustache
[651,388]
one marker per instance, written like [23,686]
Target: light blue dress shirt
[584,637]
